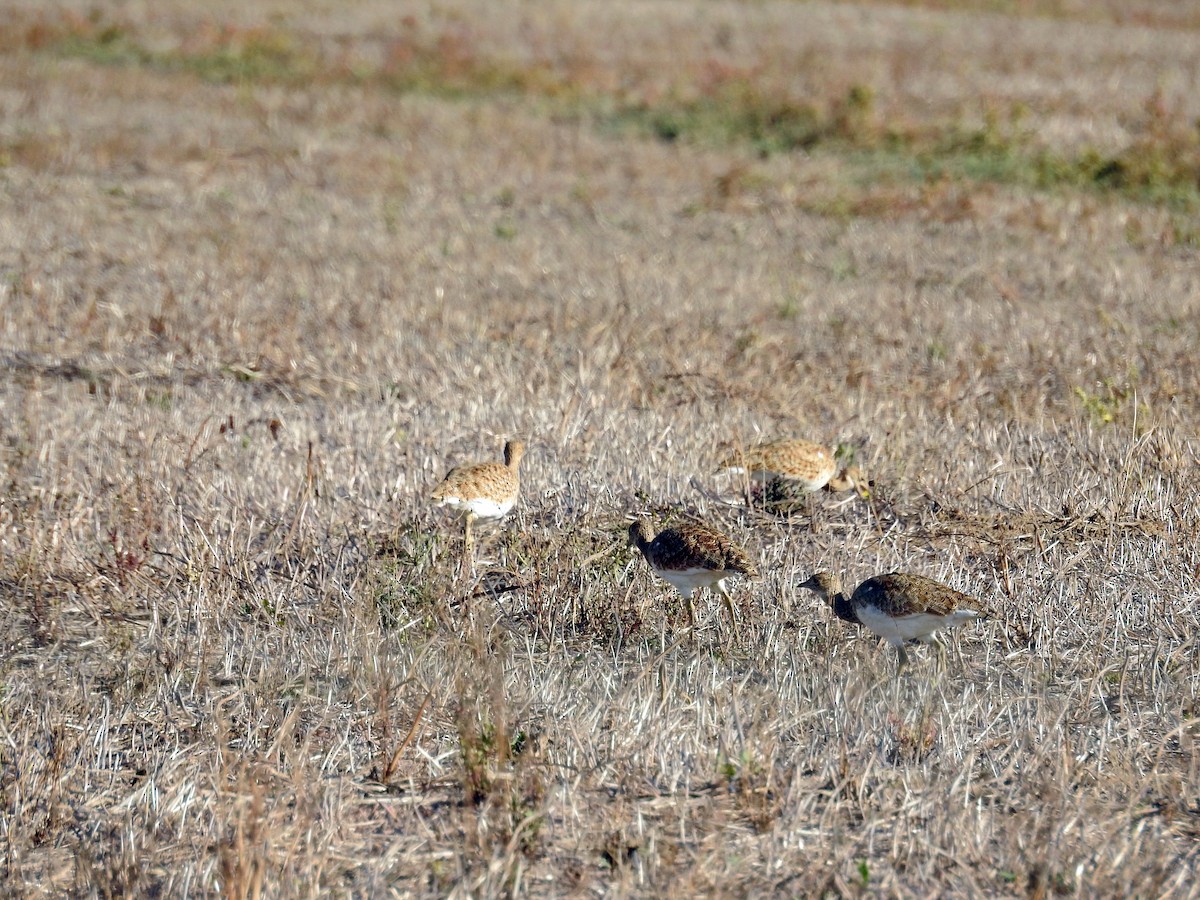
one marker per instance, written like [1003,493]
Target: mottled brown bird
[808,465]
[898,607]
[483,490]
[692,556]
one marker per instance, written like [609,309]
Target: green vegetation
[1160,165]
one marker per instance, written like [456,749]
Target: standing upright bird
[898,607]
[482,490]
[691,556]
[808,465]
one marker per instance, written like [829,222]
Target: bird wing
[474,477]
[901,594]
[710,549]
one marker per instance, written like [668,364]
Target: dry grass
[248,317]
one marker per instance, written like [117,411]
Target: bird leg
[944,648]
[691,608]
[815,515]
[903,658]
[468,561]
[941,652]
[728,600]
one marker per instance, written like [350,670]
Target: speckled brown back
[795,458]
[490,480]
[900,594]
[692,546]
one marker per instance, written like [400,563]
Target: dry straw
[263,282]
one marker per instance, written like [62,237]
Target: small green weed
[1106,404]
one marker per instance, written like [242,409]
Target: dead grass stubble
[258,671]
[236,655]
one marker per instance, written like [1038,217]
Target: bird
[898,607]
[484,491]
[808,465]
[691,556]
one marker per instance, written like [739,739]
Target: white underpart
[762,476]
[480,507]
[687,580]
[756,474]
[809,484]
[917,627]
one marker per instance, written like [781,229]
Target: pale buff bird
[898,607]
[484,491]
[808,465]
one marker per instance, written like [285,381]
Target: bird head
[640,533]
[824,584]
[513,451]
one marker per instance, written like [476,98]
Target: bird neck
[512,455]
[639,539]
[842,607]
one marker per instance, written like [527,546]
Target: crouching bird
[806,465]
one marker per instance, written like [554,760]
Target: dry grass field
[268,269]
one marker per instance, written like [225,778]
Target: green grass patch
[1161,165]
[739,111]
[229,56]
